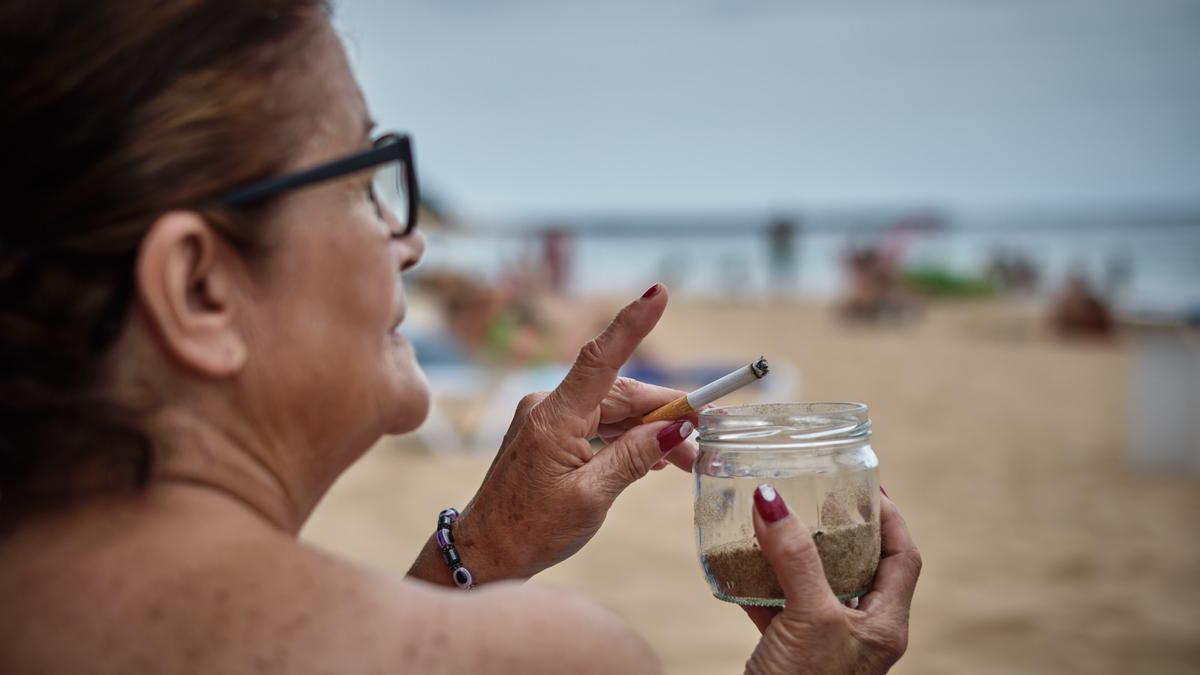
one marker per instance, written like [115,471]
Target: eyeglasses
[393,185]
[393,189]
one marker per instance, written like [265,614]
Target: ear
[187,283]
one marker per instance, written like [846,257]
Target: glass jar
[818,456]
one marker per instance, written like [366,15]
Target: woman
[199,337]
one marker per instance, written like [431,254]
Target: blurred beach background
[981,219]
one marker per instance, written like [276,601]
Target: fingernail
[885,494]
[652,291]
[769,504]
[674,434]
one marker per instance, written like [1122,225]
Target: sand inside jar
[849,554]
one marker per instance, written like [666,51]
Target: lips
[394,330]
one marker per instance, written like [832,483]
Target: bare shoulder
[409,625]
[253,603]
[293,608]
[535,629]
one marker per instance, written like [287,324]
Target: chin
[412,405]
[410,418]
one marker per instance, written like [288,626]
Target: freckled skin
[245,598]
[203,572]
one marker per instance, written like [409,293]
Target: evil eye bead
[463,578]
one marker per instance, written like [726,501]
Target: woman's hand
[815,633]
[546,493]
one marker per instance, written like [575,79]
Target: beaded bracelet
[462,576]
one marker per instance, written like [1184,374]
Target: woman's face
[325,356]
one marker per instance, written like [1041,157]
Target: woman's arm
[547,491]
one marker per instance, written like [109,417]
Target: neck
[225,464]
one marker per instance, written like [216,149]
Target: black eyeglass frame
[386,148]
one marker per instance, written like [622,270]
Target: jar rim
[797,425]
[790,411]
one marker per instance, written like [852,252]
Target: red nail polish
[673,435]
[769,503]
[652,291]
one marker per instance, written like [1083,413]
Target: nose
[409,250]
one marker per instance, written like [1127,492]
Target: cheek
[333,315]
[327,343]
[357,296]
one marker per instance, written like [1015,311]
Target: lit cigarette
[693,402]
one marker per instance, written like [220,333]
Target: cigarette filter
[693,402]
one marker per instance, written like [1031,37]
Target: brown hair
[115,112]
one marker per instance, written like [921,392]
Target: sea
[1147,264]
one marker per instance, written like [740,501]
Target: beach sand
[1044,551]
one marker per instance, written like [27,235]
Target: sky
[531,108]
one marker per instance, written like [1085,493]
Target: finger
[617,428]
[899,566]
[684,456]
[595,370]
[761,616]
[608,433]
[630,457]
[630,399]
[789,547]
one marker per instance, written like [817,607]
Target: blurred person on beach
[497,325]
[514,320]
[200,285]
[1079,311]
[874,292]
[875,289]
[784,236]
[1012,272]
[556,258]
